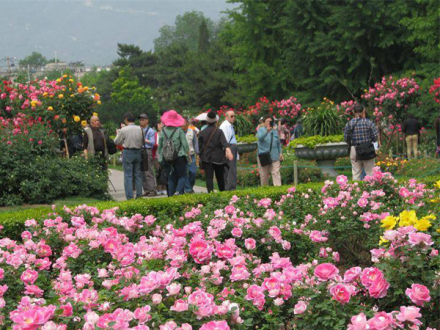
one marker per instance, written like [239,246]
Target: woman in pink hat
[173,151]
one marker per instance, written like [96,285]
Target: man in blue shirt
[148,178]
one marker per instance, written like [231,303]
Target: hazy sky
[88,30]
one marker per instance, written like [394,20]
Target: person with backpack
[215,152]
[173,152]
[131,137]
[360,134]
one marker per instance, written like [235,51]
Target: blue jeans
[177,175]
[131,160]
[191,179]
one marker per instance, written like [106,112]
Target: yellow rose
[76,118]
[45,94]
[84,123]
[95,114]
[389,222]
[60,96]
[50,108]
[58,80]
[71,80]
[99,102]
[423,224]
[408,218]
[65,76]
[383,241]
[437,184]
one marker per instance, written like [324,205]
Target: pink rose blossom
[326,271]
[419,294]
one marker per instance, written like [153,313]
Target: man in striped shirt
[360,130]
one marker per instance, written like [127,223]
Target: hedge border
[13,222]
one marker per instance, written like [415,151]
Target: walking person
[161,176]
[94,142]
[214,153]
[269,153]
[173,152]
[411,128]
[131,137]
[191,138]
[231,166]
[148,178]
[360,133]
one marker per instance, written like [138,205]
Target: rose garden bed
[344,256]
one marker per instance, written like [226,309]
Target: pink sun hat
[172,118]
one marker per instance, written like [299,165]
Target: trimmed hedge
[13,222]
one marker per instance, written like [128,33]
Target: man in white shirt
[231,167]
[131,137]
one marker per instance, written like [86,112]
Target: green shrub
[32,172]
[324,120]
[13,222]
[312,141]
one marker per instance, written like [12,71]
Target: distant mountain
[89,30]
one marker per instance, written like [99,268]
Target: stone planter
[325,155]
[244,148]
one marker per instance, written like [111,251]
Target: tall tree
[185,31]
[142,63]
[203,37]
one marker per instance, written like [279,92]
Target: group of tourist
[164,160]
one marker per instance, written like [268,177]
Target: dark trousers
[177,175]
[132,169]
[230,174]
[209,169]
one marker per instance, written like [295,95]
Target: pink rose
[409,314]
[381,321]
[341,292]
[419,294]
[326,271]
[379,288]
[215,325]
[179,306]
[237,232]
[250,243]
[156,298]
[358,322]
[352,274]
[29,276]
[174,288]
[419,238]
[370,275]
[300,307]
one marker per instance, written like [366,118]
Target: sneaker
[164,192]
[151,194]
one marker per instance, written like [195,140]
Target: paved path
[117,183]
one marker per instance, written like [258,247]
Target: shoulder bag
[204,148]
[265,158]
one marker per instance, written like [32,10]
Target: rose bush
[263,263]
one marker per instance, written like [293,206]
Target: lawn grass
[70,201]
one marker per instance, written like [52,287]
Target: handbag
[265,158]
[144,163]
